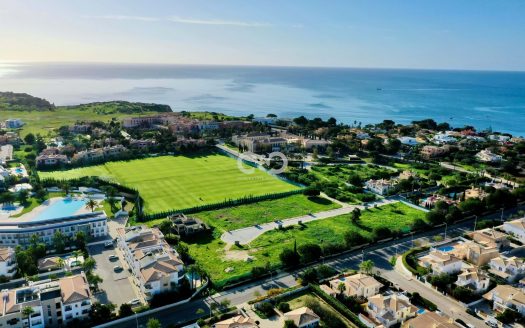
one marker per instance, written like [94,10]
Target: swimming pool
[19,170]
[446,248]
[60,209]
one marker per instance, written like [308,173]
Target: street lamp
[502,209]
[446,227]
[475,222]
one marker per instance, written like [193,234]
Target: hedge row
[340,307]
[410,253]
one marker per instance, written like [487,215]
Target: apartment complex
[53,302]
[156,266]
[7,261]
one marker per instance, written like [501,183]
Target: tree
[289,324]
[77,253]
[165,226]
[27,311]
[101,313]
[91,204]
[61,263]
[23,196]
[341,287]
[310,252]
[80,240]
[353,238]
[366,266]
[125,310]
[94,280]
[29,139]
[356,214]
[66,188]
[59,241]
[289,258]
[89,264]
[283,307]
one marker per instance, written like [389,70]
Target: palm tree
[61,263]
[91,204]
[356,214]
[66,188]
[341,288]
[27,311]
[366,266]
[77,253]
[192,271]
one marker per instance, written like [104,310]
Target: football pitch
[178,182]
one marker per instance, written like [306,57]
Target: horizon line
[13,62]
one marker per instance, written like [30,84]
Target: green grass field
[212,255]
[178,182]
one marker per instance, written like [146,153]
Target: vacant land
[178,182]
[216,257]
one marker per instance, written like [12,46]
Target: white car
[134,301]
[108,244]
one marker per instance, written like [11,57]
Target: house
[49,263]
[443,138]
[441,262]
[80,128]
[475,279]
[260,142]
[508,268]
[7,262]
[390,309]
[406,174]
[408,141]
[10,138]
[506,297]
[475,192]
[430,152]
[487,156]
[515,228]
[430,320]
[55,303]
[13,123]
[303,317]
[155,265]
[358,285]
[184,225]
[381,187]
[51,160]
[490,237]
[475,253]
[237,322]
[142,143]
[6,154]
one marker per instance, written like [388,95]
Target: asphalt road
[379,253]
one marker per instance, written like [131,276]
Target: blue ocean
[483,99]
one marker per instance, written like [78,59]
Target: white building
[156,266]
[443,138]
[55,303]
[474,279]
[381,187]
[7,261]
[516,228]
[303,317]
[506,297]
[408,141]
[391,309]
[441,262]
[488,157]
[358,285]
[508,268]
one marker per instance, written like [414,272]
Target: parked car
[117,268]
[112,257]
[134,301]
[108,244]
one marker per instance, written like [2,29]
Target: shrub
[283,307]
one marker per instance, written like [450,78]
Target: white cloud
[216,22]
[124,17]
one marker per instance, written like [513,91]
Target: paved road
[379,253]
[248,234]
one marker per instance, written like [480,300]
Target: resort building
[430,320]
[441,262]
[506,297]
[381,187]
[45,223]
[515,228]
[99,154]
[303,317]
[508,268]
[237,322]
[444,138]
[488,157]
[490,238]
[429,152]
[475,279]
[357,285]
[391,309]
[55,303]
[142,143]
[260,142]
[51,160]
[156,266]
[7,262]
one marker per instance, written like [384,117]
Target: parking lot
[117,286]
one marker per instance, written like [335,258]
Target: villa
[381,187]
[237,322]
[7,262]
[185,226]
[48,263]
[303,317]
[475,253]
[475,193]
[515,228]
[391,309]
[55,303]
[441,262]
[430,320]
[358,285]
[405,175]
[487,156]
[444,138]
[508,268]
[6,154]
[260,142]
[429,152]
[474,279]
[155,265]
[51,160]
[490,238]
[504,297]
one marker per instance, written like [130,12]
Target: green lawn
[214,258]
[178,182]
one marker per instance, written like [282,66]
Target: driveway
[246,235]
[117,287]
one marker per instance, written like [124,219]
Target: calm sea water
[483,99]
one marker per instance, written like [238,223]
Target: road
[379,253]
[248,234]
[485,174]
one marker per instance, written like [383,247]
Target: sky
[436,34]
